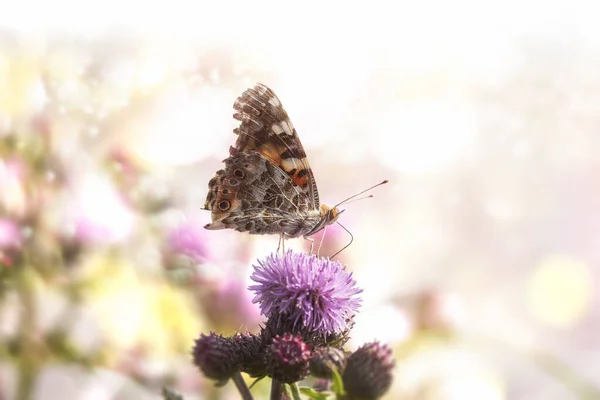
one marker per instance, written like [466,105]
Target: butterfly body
[267,186]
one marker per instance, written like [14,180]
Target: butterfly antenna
[358,194]
[349,243]
[360,198]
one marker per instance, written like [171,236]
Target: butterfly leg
[281,244]
[322,239]
[312,243]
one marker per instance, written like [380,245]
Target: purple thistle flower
[288,358]
[316,293]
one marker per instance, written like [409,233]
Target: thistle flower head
[287,358]
[368,372]
[280,324]
[316,294]
[326,358]
[216,356]
[252,354]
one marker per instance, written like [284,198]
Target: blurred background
[479,260]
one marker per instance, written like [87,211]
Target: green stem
[241,386]
[295,391]
[27,365]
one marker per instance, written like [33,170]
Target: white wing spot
[277,129]
[287,127]
[274,101]
[289,164]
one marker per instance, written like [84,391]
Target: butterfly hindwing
[252,195]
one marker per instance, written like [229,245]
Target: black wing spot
[224,205]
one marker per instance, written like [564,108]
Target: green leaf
[168,394]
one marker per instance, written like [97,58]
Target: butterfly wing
[267,186]
[266,129]
[253,195]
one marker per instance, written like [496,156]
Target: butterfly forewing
[266,128]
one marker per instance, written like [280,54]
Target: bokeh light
[560,291]
[479,260]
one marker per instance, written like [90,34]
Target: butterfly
[267,186]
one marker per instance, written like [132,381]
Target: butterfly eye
[225,191]
[232,182]
[224,205]
[239,173]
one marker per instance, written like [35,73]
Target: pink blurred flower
[10,234]
[11,241]
[438,311]
[188,239]
[224,299]
[228,304]
[98,213]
